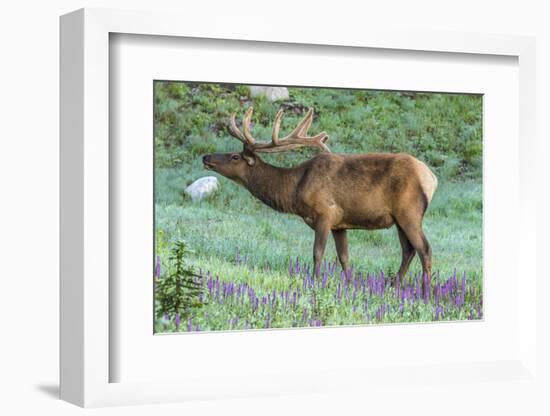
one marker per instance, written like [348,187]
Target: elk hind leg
[407,254]
[341,242]
[415,235]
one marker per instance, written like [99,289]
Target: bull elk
[334,193]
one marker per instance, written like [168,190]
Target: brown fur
[333,193]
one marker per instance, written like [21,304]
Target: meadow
[254,264]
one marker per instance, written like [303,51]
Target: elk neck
[274,186]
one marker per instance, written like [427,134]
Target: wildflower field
[249,267]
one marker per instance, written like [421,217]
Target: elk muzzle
[207,162]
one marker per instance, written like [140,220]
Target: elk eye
[235,157]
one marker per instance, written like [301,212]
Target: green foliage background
[443,130]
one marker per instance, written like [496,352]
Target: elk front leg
[322,228]
[341,242]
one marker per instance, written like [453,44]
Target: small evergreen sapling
[180,291]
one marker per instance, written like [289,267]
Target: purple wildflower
[454,281]
[458,300]
[157,268]
[418,288]
[427,288]
[380,312]
[325,279]
[438,312]
[397,285]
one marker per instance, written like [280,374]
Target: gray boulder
[271,93]
[202,187]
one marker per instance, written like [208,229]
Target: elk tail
[429,185]
[434,188]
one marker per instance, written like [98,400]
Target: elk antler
[298,138]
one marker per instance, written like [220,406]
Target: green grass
[232,222]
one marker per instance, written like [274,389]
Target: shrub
[179,292]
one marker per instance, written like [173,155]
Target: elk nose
[206,158]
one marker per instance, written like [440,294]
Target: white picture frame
[85,355]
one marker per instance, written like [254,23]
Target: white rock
[202,187]
[272,93]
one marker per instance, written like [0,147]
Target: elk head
[237,165]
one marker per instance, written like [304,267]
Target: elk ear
[249,157]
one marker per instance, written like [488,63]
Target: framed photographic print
[259,227]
